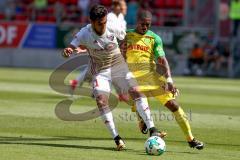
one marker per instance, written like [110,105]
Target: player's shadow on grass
[29,141]
[59,145]
[62,145]
[98,138]
[40,142]
[11,139]
[206,144]
[59,138]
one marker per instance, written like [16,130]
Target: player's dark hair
[97,12]
[143,14]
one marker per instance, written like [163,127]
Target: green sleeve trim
[130,30]
[158,45]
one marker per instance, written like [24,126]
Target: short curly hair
[142,14]
[97,12]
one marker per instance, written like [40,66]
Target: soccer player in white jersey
[115,19]
[109,67]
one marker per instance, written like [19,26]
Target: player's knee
[101,101]
[134,92]
[172,105]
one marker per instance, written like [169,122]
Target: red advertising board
[11,34]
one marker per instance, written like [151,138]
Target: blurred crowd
[165,12]
[208,59]
[205,58]
[213,57]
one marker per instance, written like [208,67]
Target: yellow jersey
[142,51]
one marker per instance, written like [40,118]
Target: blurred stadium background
[33,31]
[32,34]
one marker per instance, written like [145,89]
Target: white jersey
[103,50]
[115,21]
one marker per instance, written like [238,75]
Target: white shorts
[119,76]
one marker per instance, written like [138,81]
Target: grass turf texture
[29,128]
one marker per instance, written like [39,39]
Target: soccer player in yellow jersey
[142,49]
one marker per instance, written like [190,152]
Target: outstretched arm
[162,61]
[77,45]
[68,51]
[163,65]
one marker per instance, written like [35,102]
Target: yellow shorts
[152,85]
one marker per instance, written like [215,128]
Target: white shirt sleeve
[78,38]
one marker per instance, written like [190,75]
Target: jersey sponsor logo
[138,47]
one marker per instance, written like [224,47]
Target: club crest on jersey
[110,37]
[110,46]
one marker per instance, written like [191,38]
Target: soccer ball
[155,146]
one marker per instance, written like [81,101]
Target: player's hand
[171,88]
[67,52]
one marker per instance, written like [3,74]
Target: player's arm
[71,49]
[68,51]
[123,47]
[164,65]
[163,62]
[76,45]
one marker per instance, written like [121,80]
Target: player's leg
[168,100]
[141,124]
[146,85]
[183,122]
[124,82]
[143,110]
[101,91]
[84,70]
[79,79]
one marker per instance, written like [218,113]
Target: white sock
[107,118]
[144,111]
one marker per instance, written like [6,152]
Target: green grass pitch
[30,130]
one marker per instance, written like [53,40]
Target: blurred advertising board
[11,34]
[25,35]
[40,36]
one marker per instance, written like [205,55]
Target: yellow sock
[133,108]
[182,121]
